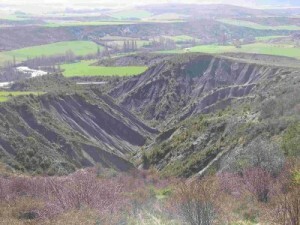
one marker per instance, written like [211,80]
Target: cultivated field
[258,48]
[84,68]
[78,47]
[12,17]
[248,24]
[268,38]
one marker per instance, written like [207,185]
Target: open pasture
[78,48]
[86,68]
[256,48]
[252,25]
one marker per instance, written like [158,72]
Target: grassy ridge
[5,95]
[78,47]
[84,68]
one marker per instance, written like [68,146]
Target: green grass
[248,24]
[258,48]
[267,38]
[131,14]
[5,58]
[270,49]
[213,49]
[6,95]
[84,68]
[78,47]
[11,17]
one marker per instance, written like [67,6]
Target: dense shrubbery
[113,197]
[97,196]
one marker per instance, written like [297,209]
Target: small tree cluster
[130,46]
[163,43]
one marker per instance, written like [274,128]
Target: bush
[254,181]
[285,207]
[291,140]
[195,202]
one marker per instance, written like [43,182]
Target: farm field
[84,68]
[78,47]
[258,48]
[12,17]
[5,95]
[267,38]
[270,49]
[257,26]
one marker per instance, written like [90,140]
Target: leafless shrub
[196,201]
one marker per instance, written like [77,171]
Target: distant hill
[225,10]
[279,3]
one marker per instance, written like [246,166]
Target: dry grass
[10,212]
[78,217]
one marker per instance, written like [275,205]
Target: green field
[78,47]
[258,48]
[5,95]
[267,38]
[84,68]
[248,24]
[11,17]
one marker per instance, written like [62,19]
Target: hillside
[209,30]
[203,109]
[141,112]
[212,111]
[193,128]
[57,133]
